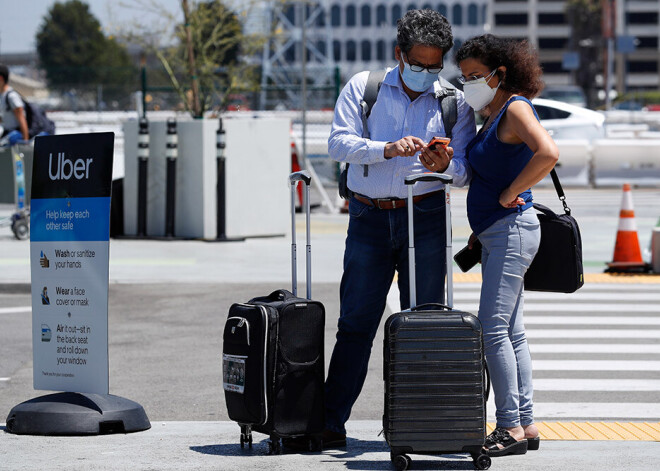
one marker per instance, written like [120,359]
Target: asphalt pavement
[167,306]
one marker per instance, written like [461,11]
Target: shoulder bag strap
[559,190]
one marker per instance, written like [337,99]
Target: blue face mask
[417,81]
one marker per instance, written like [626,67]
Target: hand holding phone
[468,257]
[439,141]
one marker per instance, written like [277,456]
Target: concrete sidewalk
[214,446]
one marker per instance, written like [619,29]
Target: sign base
[69,413]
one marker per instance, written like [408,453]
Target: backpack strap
[374,81]
[448,106]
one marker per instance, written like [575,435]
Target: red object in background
[295,167]
[653,107]
[237,102]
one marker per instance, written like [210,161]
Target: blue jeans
[509,246]
[376,246]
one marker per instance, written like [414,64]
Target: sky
[20,20]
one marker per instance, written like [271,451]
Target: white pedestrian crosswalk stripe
[560,384]
[594,321]
[532,306]
[617,357]
[593,334]
[594,348]
[472,296]
[15,310]
[596,365]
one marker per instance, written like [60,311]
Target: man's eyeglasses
[419,68]
[472,78]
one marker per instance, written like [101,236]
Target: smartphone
[439,141]
[467,257]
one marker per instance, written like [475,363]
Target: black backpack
[35,116]
[448,106]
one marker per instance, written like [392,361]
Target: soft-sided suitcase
[273,363]
[436,384]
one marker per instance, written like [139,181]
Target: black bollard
[143,159]
[172,152]
[221,188]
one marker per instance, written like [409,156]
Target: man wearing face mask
[405,117]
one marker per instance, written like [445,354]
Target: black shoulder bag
[557,266]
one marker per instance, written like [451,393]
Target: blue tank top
[495,165]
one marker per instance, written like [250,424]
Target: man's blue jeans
[376,247]
[509,246]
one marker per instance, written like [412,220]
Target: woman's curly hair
[523,71]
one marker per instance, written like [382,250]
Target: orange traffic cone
[627,254]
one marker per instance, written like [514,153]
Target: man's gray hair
[424,28]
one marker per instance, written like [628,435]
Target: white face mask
[478,93]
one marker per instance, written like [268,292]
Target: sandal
[534,443]
[510,446]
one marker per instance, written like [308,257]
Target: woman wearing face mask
[510,154]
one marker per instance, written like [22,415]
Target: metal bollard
[221,191]
[143,159]
[172,153]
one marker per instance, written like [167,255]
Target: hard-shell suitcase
[436,383]
[273,362]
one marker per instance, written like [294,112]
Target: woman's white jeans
[509,246]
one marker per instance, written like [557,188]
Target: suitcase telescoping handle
[410,180]
[294,178]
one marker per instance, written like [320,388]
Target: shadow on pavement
[232,449]
[416,464]
[355,449]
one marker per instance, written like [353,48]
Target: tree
[207,52]
[74,52]
[584,17]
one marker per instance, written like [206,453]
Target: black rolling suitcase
[436,383]
[273,363]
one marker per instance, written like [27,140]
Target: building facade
[356,35]
[546,25]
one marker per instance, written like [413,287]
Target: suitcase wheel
[482,462]
[401,462]
[316,443]
[246,436]
[274,447]
[246,439]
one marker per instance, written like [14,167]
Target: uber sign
[64,168]
[69,254]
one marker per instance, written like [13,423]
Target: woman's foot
[506,441]
[532,436]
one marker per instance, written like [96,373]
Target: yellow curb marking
[631,431]
[621,278]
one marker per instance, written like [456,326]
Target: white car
[564,121]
